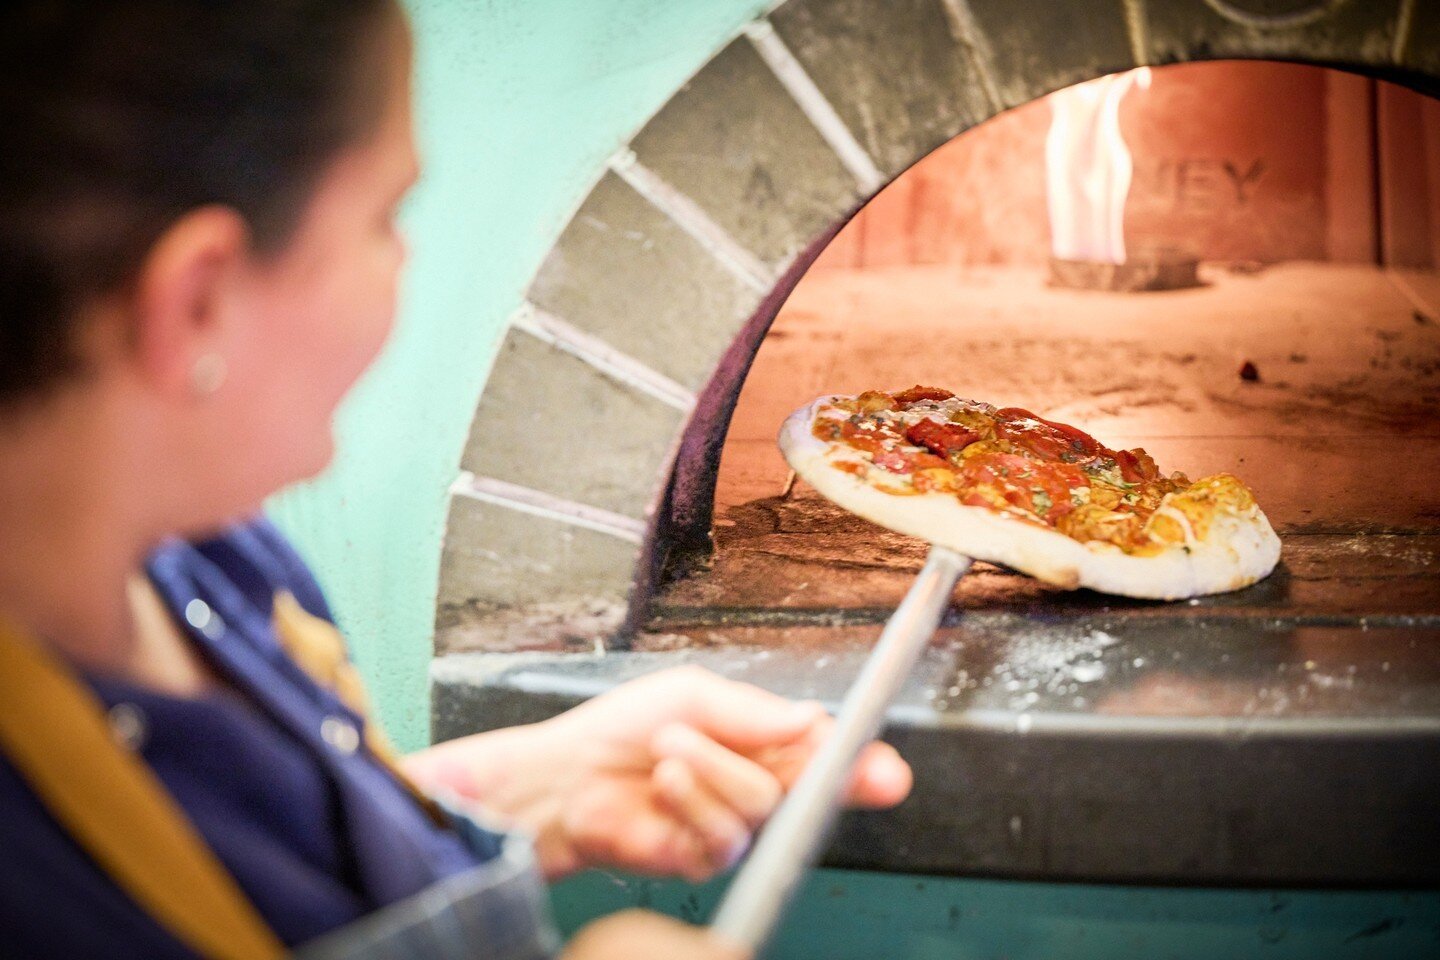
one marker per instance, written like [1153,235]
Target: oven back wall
[518,106]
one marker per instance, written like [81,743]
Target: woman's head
[198,191]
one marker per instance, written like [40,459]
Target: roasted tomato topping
[1047,438]
[1001,480]
[1136,466]
[917,393]
[941,439]
[1051,440]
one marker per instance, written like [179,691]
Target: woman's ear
[185,292]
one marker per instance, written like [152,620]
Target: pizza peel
[792,839]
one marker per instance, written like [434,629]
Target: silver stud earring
[208,374]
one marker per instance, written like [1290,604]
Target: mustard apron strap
[54,732]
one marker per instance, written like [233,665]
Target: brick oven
[621,506]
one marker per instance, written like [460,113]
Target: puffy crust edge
[1236,551]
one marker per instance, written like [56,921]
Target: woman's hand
[667,774]
[640,935]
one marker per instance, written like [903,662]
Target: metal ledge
[1063,788]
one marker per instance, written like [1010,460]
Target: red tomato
[1047,438]
[1136,466]
[941,439]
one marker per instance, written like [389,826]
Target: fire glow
[1088,168]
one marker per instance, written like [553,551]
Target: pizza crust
[1235,552]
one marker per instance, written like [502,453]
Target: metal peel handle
[792,839]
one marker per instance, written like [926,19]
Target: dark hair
[118,116]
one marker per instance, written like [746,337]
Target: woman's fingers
[625,827]
[745,717]
[780,735]
[746,786]
[881,777]
[720,831]
[723,796]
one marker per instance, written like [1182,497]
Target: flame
[1088,168]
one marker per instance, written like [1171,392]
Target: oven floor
[798,559]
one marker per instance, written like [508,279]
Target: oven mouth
[1063,712]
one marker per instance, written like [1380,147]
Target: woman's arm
[667,774]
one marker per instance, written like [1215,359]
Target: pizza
[1045,498]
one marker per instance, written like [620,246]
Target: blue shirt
[273,773]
